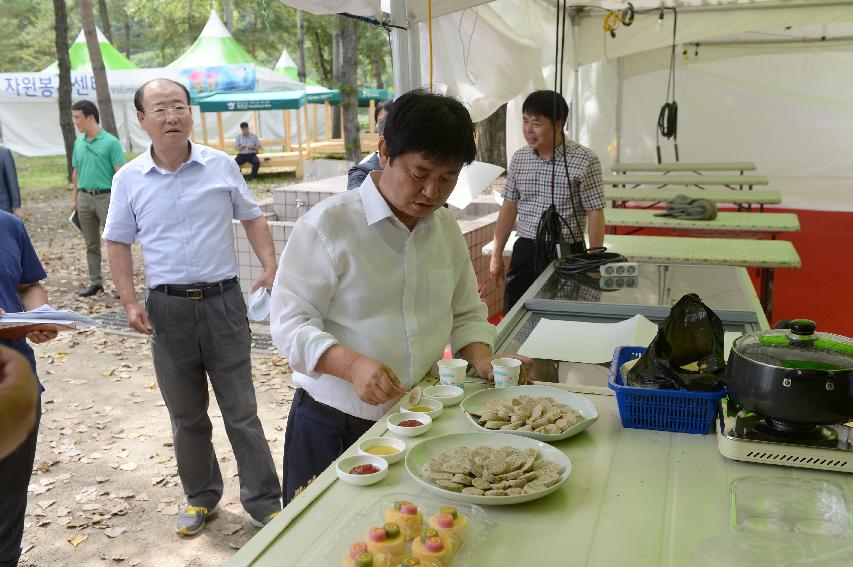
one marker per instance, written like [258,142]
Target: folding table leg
[765,276]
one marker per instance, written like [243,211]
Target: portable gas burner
[746,436]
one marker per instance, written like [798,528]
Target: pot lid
[796,345]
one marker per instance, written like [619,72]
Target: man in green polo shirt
[97,156]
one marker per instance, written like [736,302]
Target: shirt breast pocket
[440,289]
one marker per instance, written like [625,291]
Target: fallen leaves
[114,532]
[78,539]
[129,466]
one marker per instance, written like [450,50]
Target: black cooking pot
[792,375]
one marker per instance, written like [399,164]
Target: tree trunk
[65,121]
[324,69]
[336,74]
[105,19]
[105,103]
[300,44]
[228,7]
[349,58]
[377,72]
[126,35]
[491,135]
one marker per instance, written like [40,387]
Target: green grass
[42,178]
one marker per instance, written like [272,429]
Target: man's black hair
[88,108]
[244,124]
[549,104]
[435,125]
[137,97]
[382,105]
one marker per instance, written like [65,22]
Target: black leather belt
[94,191]
[346,418]
[197,290]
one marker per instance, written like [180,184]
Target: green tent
[79,55]
[242,101]
[287,67]
[215,46]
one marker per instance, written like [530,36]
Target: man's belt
[197,290]
[94,191]
[334,413]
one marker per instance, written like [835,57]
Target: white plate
[576,401]
[418,457]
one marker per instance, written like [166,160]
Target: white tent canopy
[765,84]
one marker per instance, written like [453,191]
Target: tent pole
[221,132]
[256,123]
[400,48]
[316,128]
[619,95]
[341,111]
[299,142]
[288,146]
[576,103]
[203,119]
[327,127]
[370,114]
[307,136]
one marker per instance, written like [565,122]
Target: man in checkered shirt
[248,145]
[577,186]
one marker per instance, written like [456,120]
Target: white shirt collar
[376,208]
[148,163]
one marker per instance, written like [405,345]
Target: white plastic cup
[452,371]
[506,371]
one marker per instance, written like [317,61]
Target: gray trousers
[197,337]
[92,210]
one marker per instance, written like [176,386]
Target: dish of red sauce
[410,423]
[364,469]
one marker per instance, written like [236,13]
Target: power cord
[589,261]
[668,117]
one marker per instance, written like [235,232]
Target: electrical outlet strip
[630,269]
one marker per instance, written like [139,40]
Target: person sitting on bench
[248,146]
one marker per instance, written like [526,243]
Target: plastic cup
[506,371]
[452,371]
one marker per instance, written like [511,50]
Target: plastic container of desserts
[401,528]
[794,509]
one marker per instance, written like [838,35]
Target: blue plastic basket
[681,411]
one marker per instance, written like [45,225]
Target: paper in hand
[74,219]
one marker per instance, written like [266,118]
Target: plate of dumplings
[538,412]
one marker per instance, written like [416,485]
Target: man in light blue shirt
[178,200]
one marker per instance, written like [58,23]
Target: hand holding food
[374,382]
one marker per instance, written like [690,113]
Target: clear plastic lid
[797,347]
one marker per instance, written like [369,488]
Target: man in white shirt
[178,199]
[373,283]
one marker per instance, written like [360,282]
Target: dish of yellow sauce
[423,409]
[382,450]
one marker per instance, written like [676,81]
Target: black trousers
[522,269]
[316,435]
[15,472]
[251,158]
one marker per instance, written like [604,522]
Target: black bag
[692,333]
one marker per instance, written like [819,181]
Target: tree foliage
[155,32]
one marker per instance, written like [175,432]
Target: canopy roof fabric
[242,101]
[366,95]
[79,55]
[214,46]
[287,66]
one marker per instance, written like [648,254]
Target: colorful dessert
[387,541]
[450,525]
[432,549]
[407,516]
[358,556]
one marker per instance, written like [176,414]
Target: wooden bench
[682,167]
[726,222]
[655,195]
[686,180]
[766,255]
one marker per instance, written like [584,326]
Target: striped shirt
[528,183]
[247,140]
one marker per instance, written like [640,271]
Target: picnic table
[686,180]
[765,255]
[769,223]
[682,166]
[656,195]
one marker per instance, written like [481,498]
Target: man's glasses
[160,113]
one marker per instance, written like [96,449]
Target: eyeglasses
[160,113]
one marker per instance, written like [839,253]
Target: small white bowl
[398,444]
[446,395]
[435,407]
[396,418]
[345,465]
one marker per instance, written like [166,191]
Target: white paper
[593,343]
[473,180]
[46,315]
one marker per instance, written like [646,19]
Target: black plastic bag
[687,353]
